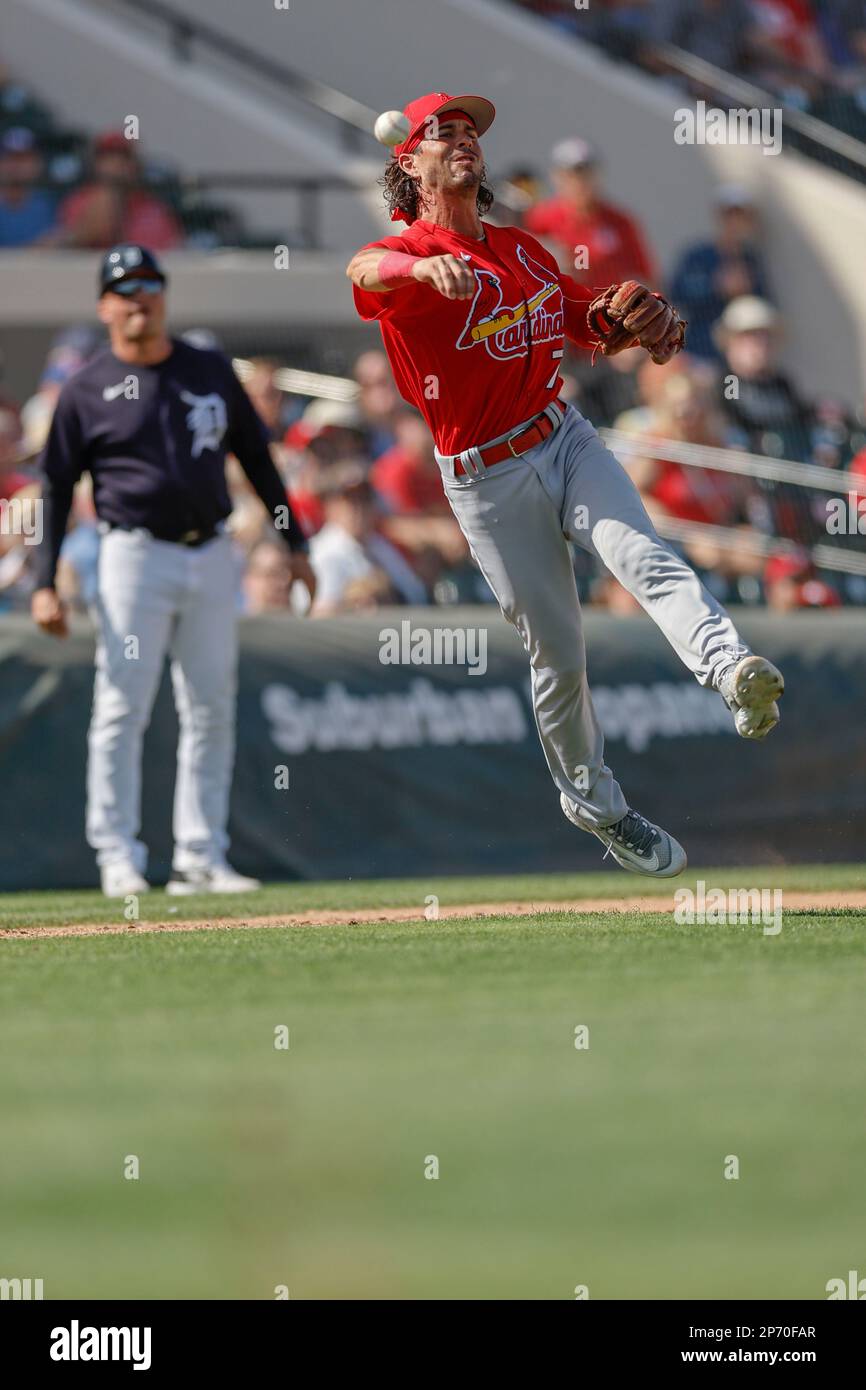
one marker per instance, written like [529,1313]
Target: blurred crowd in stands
[359,473]
[360,469]
[61,187]
[728,391]
[108,206]
[362,477]
[811,54]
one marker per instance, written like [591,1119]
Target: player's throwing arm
[387,270]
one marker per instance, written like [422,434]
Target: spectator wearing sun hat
[763,405]
[766,405]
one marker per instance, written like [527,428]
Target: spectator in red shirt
[596,243]
[685,413]
[407,476]
[112,207]
[857,467]
[787,50]
[407,480]
[327,434]
[10,452]
[791,582]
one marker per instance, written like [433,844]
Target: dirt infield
[826,901]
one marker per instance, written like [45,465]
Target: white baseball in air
[391,128]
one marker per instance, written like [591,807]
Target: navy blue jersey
[154,440]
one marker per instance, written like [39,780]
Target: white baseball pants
[157,599]
[517,518]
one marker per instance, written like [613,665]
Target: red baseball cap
[477,109]
[113,142]
[420,111]
[794,564]
[814,593]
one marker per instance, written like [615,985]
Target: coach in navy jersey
[151,418]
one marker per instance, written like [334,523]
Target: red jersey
[307,507]
[858,464]
[693,494]
[146,220]
[615,249]
[789,24]
[476,368]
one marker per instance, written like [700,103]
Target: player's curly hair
[401,191]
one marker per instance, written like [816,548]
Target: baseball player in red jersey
[473,319]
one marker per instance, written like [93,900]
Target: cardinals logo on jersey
[506,330]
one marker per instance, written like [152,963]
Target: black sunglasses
[132,286]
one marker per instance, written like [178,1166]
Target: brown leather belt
[516,444]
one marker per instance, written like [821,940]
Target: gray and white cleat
[750,689]
[635,843]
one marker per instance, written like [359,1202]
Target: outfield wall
[426,770]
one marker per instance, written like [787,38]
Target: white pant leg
[136,603]
[619,531]
[204,675]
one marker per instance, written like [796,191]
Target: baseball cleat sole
[750,690]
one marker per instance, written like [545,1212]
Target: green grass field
[557,1167]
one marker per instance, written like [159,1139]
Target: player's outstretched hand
[447,274]
[303,571]
[49,612]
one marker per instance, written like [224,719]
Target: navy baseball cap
[128,261]
[18,139]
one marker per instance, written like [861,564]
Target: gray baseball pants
[517,518]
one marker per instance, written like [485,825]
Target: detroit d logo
[207,419]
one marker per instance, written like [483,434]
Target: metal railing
[296,382]
[824,557]
[208,224]
[817,134]
[185,34]
[309,190]
[813,136]
[785,472]
[722,460]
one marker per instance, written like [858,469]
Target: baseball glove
[629,315]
